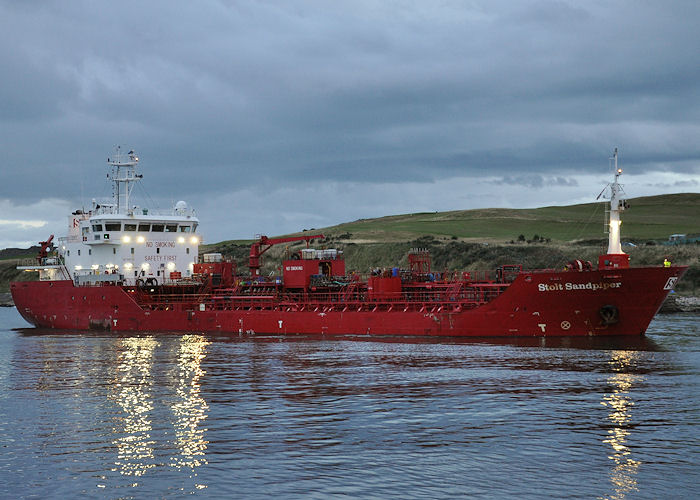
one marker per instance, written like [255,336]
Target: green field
[649,218]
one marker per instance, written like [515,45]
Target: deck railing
[445,298]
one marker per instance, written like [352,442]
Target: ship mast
[617,204]
[123,176]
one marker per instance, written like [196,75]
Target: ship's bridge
[111,230]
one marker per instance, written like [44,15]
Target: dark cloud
[224,96]
[536,181]
[692,184]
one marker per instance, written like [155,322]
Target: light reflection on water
[132,388]
[620,405]
[190,408]
[132,391]
[169,415]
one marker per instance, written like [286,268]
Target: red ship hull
[540,303]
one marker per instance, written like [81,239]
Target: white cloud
[24,225]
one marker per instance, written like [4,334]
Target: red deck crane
[44,250]
[264,244]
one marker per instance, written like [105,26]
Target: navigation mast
[123,176]
[617,204]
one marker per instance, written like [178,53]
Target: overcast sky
[274,116]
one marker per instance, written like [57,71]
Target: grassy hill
[8,263]
[18,253]
[650,218]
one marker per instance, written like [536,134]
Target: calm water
[170,416]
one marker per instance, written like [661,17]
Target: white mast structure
[617,204]
[123,175]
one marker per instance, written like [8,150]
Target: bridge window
[97,228]
[171,228]
[144,227]
[157,228]
[113,226]
[129,227]
[185,229]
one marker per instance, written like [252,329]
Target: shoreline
[675,303]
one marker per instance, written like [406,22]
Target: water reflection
[133,393]
[619,404]
[190,408]
[144,398]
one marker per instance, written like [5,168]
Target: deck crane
[44,250]
[264,244]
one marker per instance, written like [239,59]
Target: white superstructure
[121,243]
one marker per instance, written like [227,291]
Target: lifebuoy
[609,314]
[151,282]
[140,283]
